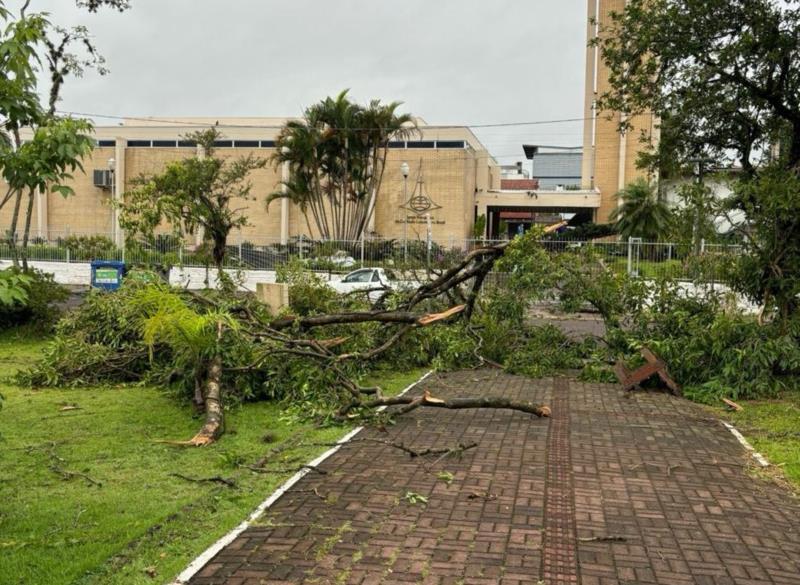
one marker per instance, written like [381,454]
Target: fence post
[180,254]
[240,250]
[301,246]
[703,246]
[362,250]
[630,255]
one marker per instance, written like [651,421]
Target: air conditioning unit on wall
[103,178]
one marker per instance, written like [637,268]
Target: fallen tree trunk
[213,425]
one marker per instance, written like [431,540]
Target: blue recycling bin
[107,274]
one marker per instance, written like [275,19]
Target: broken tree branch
[411,402]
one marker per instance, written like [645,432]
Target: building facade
[448,167]
[610,157]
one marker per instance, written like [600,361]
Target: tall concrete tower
[609,157]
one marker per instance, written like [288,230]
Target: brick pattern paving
[653,471]
[560,559]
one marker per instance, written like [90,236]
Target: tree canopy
[722,75]
[337,156]
[194,194]
[642,214]
[723,78]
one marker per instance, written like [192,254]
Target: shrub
[38,305]
[85,248]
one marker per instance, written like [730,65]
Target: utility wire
[186,123]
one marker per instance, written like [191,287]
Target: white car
[364,279]
[341,259]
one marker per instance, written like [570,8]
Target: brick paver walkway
[614,489]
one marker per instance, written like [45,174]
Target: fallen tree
[217,344]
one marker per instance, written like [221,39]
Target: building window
[245,143]
[139,143]
[106,143]
[187,144]
[267,144]
[421,144]
[223,143]
[397,144]
[450,144]
[164,144]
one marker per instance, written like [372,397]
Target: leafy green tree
[723,76]
[194,195]
[337,158]
[694,217]
[642,213]
[32,47]
[44,163]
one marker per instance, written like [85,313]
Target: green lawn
[142,525]
[773,428]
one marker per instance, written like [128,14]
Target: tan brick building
[609,158]
[449,167]
[452,180]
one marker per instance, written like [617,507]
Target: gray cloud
[450,61]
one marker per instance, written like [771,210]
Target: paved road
[615,488]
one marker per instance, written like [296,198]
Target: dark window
[187,144]
[223,143]
[164,143]
[449,144]
[421,144]
[245,143]
[106,143]
[139,143]
[397,144]
[267,144]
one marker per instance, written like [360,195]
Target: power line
[190,124]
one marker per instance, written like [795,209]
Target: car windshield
[359,276]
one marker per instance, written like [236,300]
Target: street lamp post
[404,169]
[112,166]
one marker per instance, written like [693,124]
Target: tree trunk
[27,233]
[12,233]
[212,428]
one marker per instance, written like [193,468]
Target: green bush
[39,308]
[84,248]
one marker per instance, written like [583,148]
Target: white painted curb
[201,561]
[762,461]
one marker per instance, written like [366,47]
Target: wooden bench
[654,366]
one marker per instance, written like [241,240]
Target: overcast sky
[450,61]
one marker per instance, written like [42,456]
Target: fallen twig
[412,453]
[215,479]
[610,538]
[67,475]
[289,470]
[482,496]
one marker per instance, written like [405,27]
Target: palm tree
[642,213]
[337,156]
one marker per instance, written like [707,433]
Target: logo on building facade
[419,203]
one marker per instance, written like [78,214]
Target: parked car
[375,280]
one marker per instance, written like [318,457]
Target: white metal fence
[635,257]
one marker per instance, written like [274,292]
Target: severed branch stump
[654,366]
